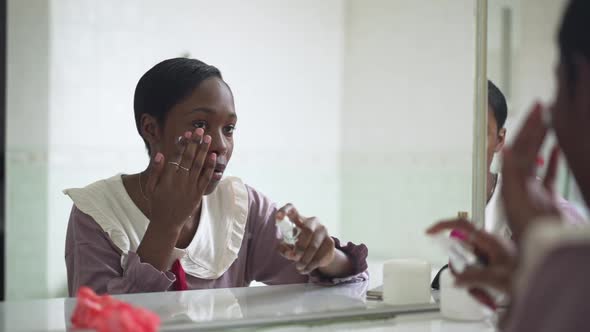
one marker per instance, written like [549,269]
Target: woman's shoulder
[237,188]
[97,188]
[258,200]
[106,201]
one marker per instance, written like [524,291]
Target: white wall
[537,52]
[27,135]
[407,121]
[283,59]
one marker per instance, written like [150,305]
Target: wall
[27,137]
[407,121]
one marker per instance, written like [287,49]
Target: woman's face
[495,137]
[561,109]
[211,107]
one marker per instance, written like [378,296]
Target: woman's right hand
[176,184]
[500,256]
[175,188]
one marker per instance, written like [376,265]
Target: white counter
[269,308]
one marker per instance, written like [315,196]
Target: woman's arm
[93,260]
[267,265]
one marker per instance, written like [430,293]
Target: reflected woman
[495,216]
[181,224]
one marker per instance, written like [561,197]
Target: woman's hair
[497,101]
[167,84]
[574,36]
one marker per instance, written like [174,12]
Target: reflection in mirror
[358,112]
[182,309]
[521,61]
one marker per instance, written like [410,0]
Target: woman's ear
[501,140]
[150,131]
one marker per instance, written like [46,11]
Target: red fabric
[180,283]
[107,314]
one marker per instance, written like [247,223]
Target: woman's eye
[200,124]
[229,130]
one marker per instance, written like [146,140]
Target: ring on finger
[184,168]
[174,163]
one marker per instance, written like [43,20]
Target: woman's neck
[491,187]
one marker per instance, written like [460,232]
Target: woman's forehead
[211,97]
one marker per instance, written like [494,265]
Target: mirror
[359,112]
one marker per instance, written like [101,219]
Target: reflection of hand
[501,264]
[175,185]
[314,247]
[522,201]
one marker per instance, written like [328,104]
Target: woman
[180,224]
[495,215]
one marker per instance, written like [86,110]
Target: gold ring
[174,163]
[184,168]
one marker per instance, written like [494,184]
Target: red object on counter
[107,314]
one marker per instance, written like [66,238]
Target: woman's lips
[216,176]
[218,172]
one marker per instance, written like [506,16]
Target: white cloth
[495,216]
[212,250]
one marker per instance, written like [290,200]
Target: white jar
[457,303]
[406,281]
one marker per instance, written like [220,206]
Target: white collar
[215,245]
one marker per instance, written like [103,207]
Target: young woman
[496,220]
[180,224]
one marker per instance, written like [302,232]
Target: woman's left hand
[525,200]
[314,248]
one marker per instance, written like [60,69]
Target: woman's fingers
[316,239]
[200,161]
[451,224]
[206,174]
[498,277]
[483,297]
[551,174]
[156,170]
[173,161]
[515,195]
[283,211]
[324,253]
[299,220]
[529,139]
[485,244]
[189,153]
[286,251]
[306,234]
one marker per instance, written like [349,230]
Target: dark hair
[497,102]
[574,36]
[167,84]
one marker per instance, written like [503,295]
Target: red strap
[180,283]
